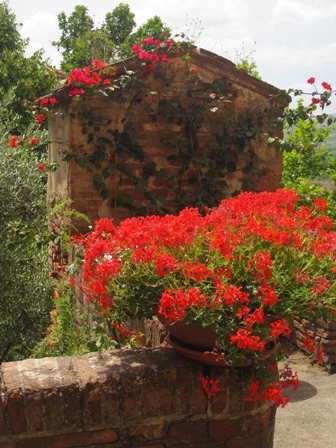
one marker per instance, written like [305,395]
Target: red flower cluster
[323,97]
[79,78]
[45,101]
[242,269]
[39,118]
[13,142]
[210,387]
[126,333]
[274,392]
[310,345]
[245,340]
[16,141]
[326,86]
[151,57]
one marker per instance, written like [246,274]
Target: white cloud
[304,12]
[303,55]
[40,25]
[295,39]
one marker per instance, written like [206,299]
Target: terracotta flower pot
[197,344]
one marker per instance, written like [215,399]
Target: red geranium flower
[311,80]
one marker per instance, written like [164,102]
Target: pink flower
[326,86]
[311,80]
[136,48]
[213,95]
[145,55]
[155,57]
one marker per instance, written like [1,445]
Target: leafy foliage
[203,172]
[26,289]
[309,164]
[81,41]
[28,77]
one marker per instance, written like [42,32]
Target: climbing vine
[199,154]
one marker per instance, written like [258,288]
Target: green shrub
[26,289]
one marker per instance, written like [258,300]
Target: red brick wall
[129,398]
[243,168]
[324,333]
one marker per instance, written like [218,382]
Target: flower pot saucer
[208,358]
[195,355]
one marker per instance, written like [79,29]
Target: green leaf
[105,193]
[162,199]
[162,103]
[106,173]
[126,198]
[97,178]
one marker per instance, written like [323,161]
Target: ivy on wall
[195,172]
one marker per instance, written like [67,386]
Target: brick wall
[255,166]
[129,398]
[324,333]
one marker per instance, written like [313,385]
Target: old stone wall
[127,398]
[324,333]
[139,127]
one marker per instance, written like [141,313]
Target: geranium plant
[243,269]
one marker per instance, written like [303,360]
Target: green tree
[309,165]
[26,289]
[73,28]
[28,77]
[81,42]
[119,24]
[154,27]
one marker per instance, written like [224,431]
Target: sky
[290,40]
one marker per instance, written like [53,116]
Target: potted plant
[240,271]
